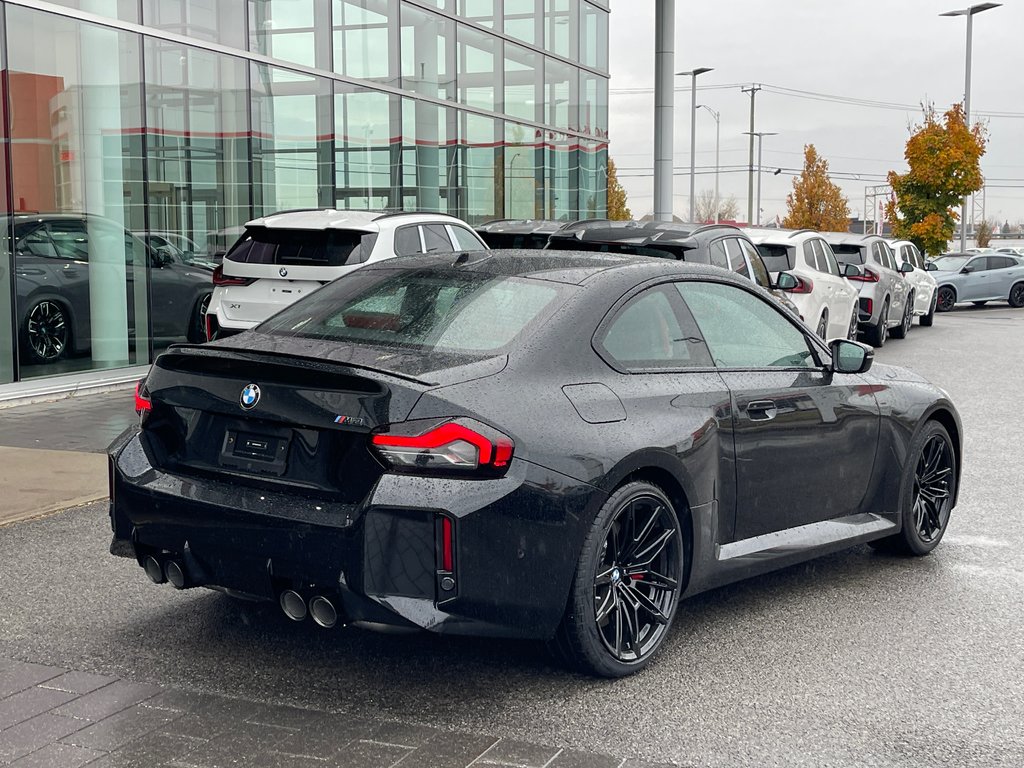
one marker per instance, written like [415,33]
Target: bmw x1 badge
[249,397]
[283,272]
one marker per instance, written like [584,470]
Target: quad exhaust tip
[154,570]
[293,605]
[323,612]
[175,574]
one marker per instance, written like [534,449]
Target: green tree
[983,234]
[816,202]
[944,156]
[618,210]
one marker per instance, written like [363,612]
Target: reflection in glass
[215,21]
[593,118]
[126,10]
[593,37]
[521,82]
[478,11]
[198,149]
[428,157]
[366,173]
[291,30]
[81,277]
[292,161]
[479,75]
[561,99]
[524,179]
[428,53]
[480,168]
[561,177]
[593,179]
[362,39]
[521,20]
[560,27]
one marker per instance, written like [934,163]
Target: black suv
[518,233]
[721,245]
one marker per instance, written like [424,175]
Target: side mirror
[851,356]
[786,282]
[930,267]
[851,270]
[967,270]
[906,268]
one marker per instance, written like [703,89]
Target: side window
[757,264]
[718,255]
[979,264]
[737,262]
[918,258]
[435,239]
[407,241]
[830,258]
[646,334]
[887,254]
[70,239]
[465,240]
[809,259]
[36,243]
[999,262]
[743,330]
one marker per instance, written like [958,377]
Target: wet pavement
[853,659]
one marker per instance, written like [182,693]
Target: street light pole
[969,13]
[718,135]
[760,135]
[693,123]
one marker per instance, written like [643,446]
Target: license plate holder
[255,452]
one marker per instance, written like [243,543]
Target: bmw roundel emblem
[249,397]
[283,272]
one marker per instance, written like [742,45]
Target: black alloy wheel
[197,325]
[901,331]
[946,299]
[627,584]
[47,332]
[928,320]
[928,493]
[854,326]
[878,333]
[823,325]
[1016,297]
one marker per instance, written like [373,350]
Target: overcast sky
[895,51]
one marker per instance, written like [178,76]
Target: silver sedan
[978,278]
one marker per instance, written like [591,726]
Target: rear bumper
[516,543]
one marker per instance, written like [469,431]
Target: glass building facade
[139,135]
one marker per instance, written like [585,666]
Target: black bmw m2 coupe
[529,444]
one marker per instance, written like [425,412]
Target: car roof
[570,267]
[642,232]
[849,238]
[329,218]
[768,235]
[520,226]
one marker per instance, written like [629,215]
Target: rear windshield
[849,254]
[446,310]
[777,258]
[302,247]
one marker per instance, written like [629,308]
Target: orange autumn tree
[944,156]
[816,202]
[618,209]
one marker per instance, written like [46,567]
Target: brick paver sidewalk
[55,718]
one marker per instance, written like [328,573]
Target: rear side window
[646,334]
[467,241]
[302,247]
[760,273]
[435,239]
[809,258]
[737,260]
[443,310]
[849,254]
[407,241]
[830,260]
[777,258]
[719,258]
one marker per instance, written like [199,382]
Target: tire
[945,299]
[823,325]
[620,605]
[47,332]
[851,334]
[928,320]
[197,324]
[925,516]
[1016,297]
[979,303]
[901,330]
[877,333]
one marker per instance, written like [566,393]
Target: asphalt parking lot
[854,659]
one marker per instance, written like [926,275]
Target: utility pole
[752,90]
[693,130]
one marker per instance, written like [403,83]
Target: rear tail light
[142,401]
[450,445]
[803,285]
[219,278]
[867,305]
[212,326]
[869,276]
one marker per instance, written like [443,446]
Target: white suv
[823,294]
[282,257]
[925,288]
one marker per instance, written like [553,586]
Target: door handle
[761,410]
